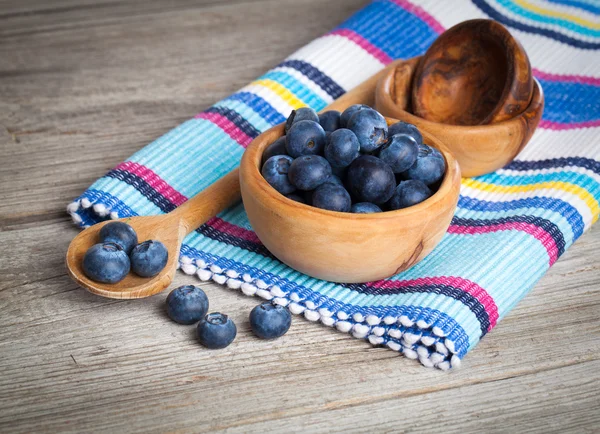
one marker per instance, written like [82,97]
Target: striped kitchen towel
[509,228]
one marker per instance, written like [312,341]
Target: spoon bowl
[475,73]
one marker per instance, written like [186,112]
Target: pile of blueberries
[118,251]
[189,305]
[352,161]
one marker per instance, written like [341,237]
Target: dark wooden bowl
[479,149]
[475,73]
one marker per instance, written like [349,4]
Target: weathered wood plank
[83,84]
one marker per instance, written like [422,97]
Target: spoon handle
[209,202]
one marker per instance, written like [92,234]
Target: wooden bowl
[479,149]
[475,73]
[345,247]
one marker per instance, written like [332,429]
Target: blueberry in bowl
[364,238]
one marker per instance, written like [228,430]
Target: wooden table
[83,84]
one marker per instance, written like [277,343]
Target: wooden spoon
[172,228]
[475,73]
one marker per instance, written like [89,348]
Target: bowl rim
[251,164]
[384,84]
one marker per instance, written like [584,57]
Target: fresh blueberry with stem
[342,148]
[399,152]
[347,114]
[106,263]
[330,120]
[305,138]
[187,304]
[275,148]
[364,208]
[301,114]
[120,233]
[370,129]
[309,171]
[270,321]
[429,167]
[406,128]
[370,180]
[216,331]
[332,197]
[409,193]
[148,258]
[275,171]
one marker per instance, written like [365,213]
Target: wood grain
[475,73]
[85,83]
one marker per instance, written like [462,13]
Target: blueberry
[370,128]
[406,128]
[399,152]
[334,180]
[275,148]
[187,304]
[342,148]
[148,258]
[330,120]
[295,197]
[106,263]
[409,193]
[302,114]
[429,167]
[364,208]
[270,321]
[370,180]
[305,138]
[275,171]
[216,331]
[119,233]
[309,171]
[347,114]
[332,197]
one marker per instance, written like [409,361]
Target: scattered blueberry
[309,171]
[216,331]
[305,138]
[270,321]
[295,197]
[275,171]
[330,120]
[409,193]
[301,114]
[371,180]
[332,197]
[429,167]
[399,152]
[347,114]
[342,148]
[275,148]
[106,263]
[364,208]
[370,129]
[187,304]
[149,258]
[119,233]
[406,128]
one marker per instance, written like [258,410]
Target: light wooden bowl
[479,149]
[475,73]
[345,247]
